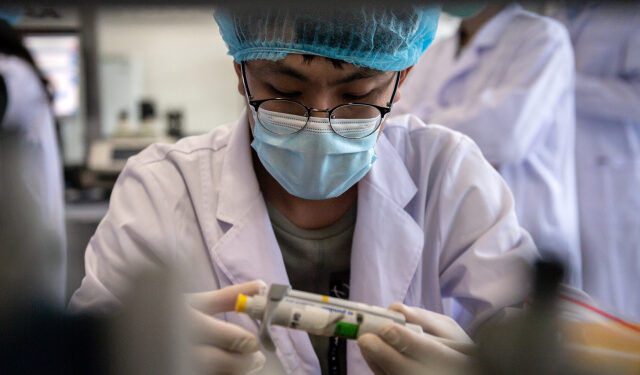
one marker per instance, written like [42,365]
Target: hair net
[379,38]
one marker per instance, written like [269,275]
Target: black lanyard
[337,353]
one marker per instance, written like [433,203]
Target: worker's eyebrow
[359,74]
[277,67]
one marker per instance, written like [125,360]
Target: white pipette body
[323,315]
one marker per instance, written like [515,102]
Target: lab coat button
[602,160]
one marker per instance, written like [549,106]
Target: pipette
[322,315]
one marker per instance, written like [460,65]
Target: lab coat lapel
[455,68]
[248,248]
[470,58]
[387,243]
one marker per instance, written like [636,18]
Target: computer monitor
[57,55]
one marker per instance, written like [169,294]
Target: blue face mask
[314,163]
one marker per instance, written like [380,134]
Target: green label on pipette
[346,330]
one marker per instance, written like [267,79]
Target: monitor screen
[57,57]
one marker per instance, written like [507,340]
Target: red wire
[600,312]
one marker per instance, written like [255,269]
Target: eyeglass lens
[287,117]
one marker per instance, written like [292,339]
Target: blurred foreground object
[597,339]
[146,335]
[32,244]
[149,334]
[32,233]
[559,334]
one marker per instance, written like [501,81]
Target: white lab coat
[434,220]
[606,41]
[511,91]
[37,181]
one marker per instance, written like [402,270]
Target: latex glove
[222,347]
[436,324]
[398,350]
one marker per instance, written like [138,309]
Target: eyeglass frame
[384,111]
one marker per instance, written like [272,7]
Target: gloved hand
[398,350]
[433,323]
[221,347]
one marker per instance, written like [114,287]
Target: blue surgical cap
[379,38]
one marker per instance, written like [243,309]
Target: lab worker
[606,42]
[32,230]
[312,187]
[505,79]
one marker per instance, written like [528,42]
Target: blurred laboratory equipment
[108,156]
[175,126]
[149,126]
[123,127]
[606,41]
[561,332]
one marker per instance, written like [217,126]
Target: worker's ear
[238,70]
[403,77]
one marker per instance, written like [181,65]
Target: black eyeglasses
[285,116]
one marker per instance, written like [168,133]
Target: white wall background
[178,59]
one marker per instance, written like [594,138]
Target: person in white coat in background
[506,79]
[32,226]
[311,186]
[606,42]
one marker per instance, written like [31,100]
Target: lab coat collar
[248,249]
[389,175]
[238,185]
[470,57]
[387,242]
[491,32]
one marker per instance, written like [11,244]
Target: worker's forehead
[316,68]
